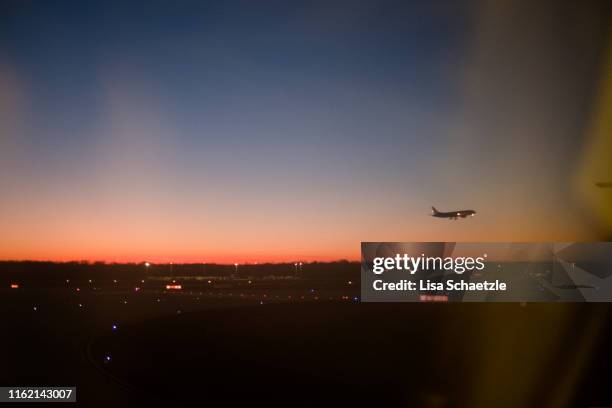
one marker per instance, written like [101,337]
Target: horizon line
[144,263]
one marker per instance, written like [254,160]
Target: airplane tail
[434,211]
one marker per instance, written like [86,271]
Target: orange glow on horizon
[164,260]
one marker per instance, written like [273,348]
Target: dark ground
[250,347]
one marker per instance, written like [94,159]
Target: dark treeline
[20,270]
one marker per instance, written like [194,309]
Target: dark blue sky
[204,59]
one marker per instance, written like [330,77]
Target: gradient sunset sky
[231,131]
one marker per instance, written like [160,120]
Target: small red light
[14,286]
[433,298]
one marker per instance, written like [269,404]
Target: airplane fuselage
[453,215]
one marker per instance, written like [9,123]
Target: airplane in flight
[452,215]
